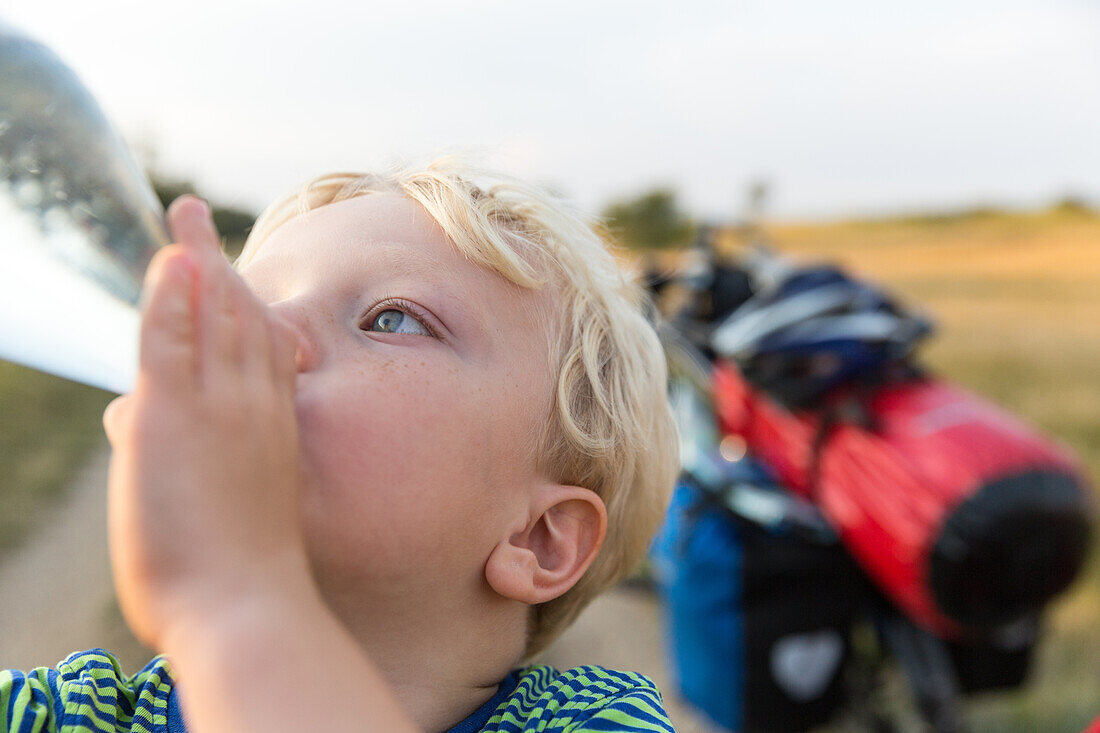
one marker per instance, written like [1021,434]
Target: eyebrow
[406,261]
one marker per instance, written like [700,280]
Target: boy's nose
[306,354]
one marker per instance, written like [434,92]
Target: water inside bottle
[78,224]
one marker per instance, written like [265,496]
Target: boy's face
[421,384]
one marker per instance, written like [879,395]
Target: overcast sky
[844,106]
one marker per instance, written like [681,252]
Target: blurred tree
[756,199]
[650,221]
[169,189]
[1074,205]
[234,224]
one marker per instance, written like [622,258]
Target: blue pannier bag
[759,599]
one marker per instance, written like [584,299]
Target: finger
[154,272]
[218,316]
[189,220]
[116,418]
[255,340]
[168,350]
[220,319]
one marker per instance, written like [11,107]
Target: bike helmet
[808,329]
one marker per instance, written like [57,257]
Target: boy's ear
[548,556]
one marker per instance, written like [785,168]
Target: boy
[363,476]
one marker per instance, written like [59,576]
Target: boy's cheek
[364,448]
[394,459]
[398,418]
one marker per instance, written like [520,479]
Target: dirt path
[55,589]
[56,597]
[59,572]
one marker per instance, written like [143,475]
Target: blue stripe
[582,698]
[58,704]
[83,665]
[630,708]
[125,703]
[596,686]
[139,726]
[617,727]
[17,680]
[625,706]
[38,697]
[621,677]
[101,683]
[83,698]
[27,724]
[175,713]
[75,720]
[89,658]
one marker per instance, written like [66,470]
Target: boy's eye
[395,321]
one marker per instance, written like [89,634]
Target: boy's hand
[203,486]
[206,544]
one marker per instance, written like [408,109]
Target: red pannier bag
[966,517]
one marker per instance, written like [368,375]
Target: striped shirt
[88,692]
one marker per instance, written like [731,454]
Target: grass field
[1017,301]
[47,427]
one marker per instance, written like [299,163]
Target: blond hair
[610,428]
